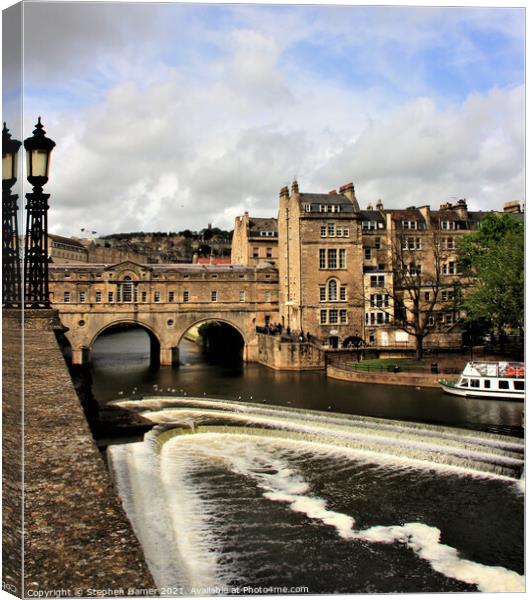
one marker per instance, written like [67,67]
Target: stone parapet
[383,377]
[76,534]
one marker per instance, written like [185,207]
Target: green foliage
[493,257]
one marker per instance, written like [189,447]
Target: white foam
[281,484]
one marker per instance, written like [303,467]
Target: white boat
[489,380]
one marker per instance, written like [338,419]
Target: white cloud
[173,145]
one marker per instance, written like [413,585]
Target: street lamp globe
[38,149]
[9,158]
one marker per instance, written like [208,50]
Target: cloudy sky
[174,116]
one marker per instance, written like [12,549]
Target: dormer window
[410,225]
[308,207]
[368,225]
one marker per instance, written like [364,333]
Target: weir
[214,466]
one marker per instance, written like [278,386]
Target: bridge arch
[228,343]
[212,319]
[154,337]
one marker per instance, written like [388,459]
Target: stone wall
[384,377]
[76,534]
[289,356]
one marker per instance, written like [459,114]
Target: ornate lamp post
[10,251]
[38,149]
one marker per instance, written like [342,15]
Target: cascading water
[225,495]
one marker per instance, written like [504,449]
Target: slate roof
[64,240]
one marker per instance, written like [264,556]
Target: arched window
[332,290]
[127,289]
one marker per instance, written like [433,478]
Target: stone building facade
[255,240]
[348,275]
[165,300]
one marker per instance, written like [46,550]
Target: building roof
[317,199]
[66,241]
[215,260]
[263,224]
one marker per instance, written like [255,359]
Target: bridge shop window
[214,296]
[66,297]
[98,296]
[268,296]
[144,296]
[269,252]
[255,252]
[110,297]
[156,297]
[82,296]
[242,296]
[186,296]
[171,296]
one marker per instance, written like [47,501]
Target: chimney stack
[379,204]
[348,191]
[332,193]
[369,206]
[284,191]
[294,187]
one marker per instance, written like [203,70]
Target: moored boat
[494,380]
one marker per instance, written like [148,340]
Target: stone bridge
[165,300]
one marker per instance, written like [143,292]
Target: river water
[289,482]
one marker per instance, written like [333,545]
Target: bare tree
[410,296]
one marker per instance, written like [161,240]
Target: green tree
[492,262]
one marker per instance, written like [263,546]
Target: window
[156,296]
[332,290]
[242,296]
[474,383]
[345,232]
[339,232]
[343,293]
[213,296]
[343,315]
[331,230]
[332,259]
[426,296]
[308,207]
[448,243]
[368,225]
[186,296]
[342,258]
[322,317]
[518,385]
[379,300]
[322,258]
[450,268]
[171,296]
[127,290]
[368,253]
[377,280]
[409,225]
[269,252]
[415,269]
[503,384]
[268,296]
[323,230]
[144,296]
[486,383]
[67,275]
[110,297]
[464,382]
[98,296]
[255,252]
[377,243]
[322,294]
[82,296]
[66,297]
[333,316]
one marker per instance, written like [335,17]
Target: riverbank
[77,537]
